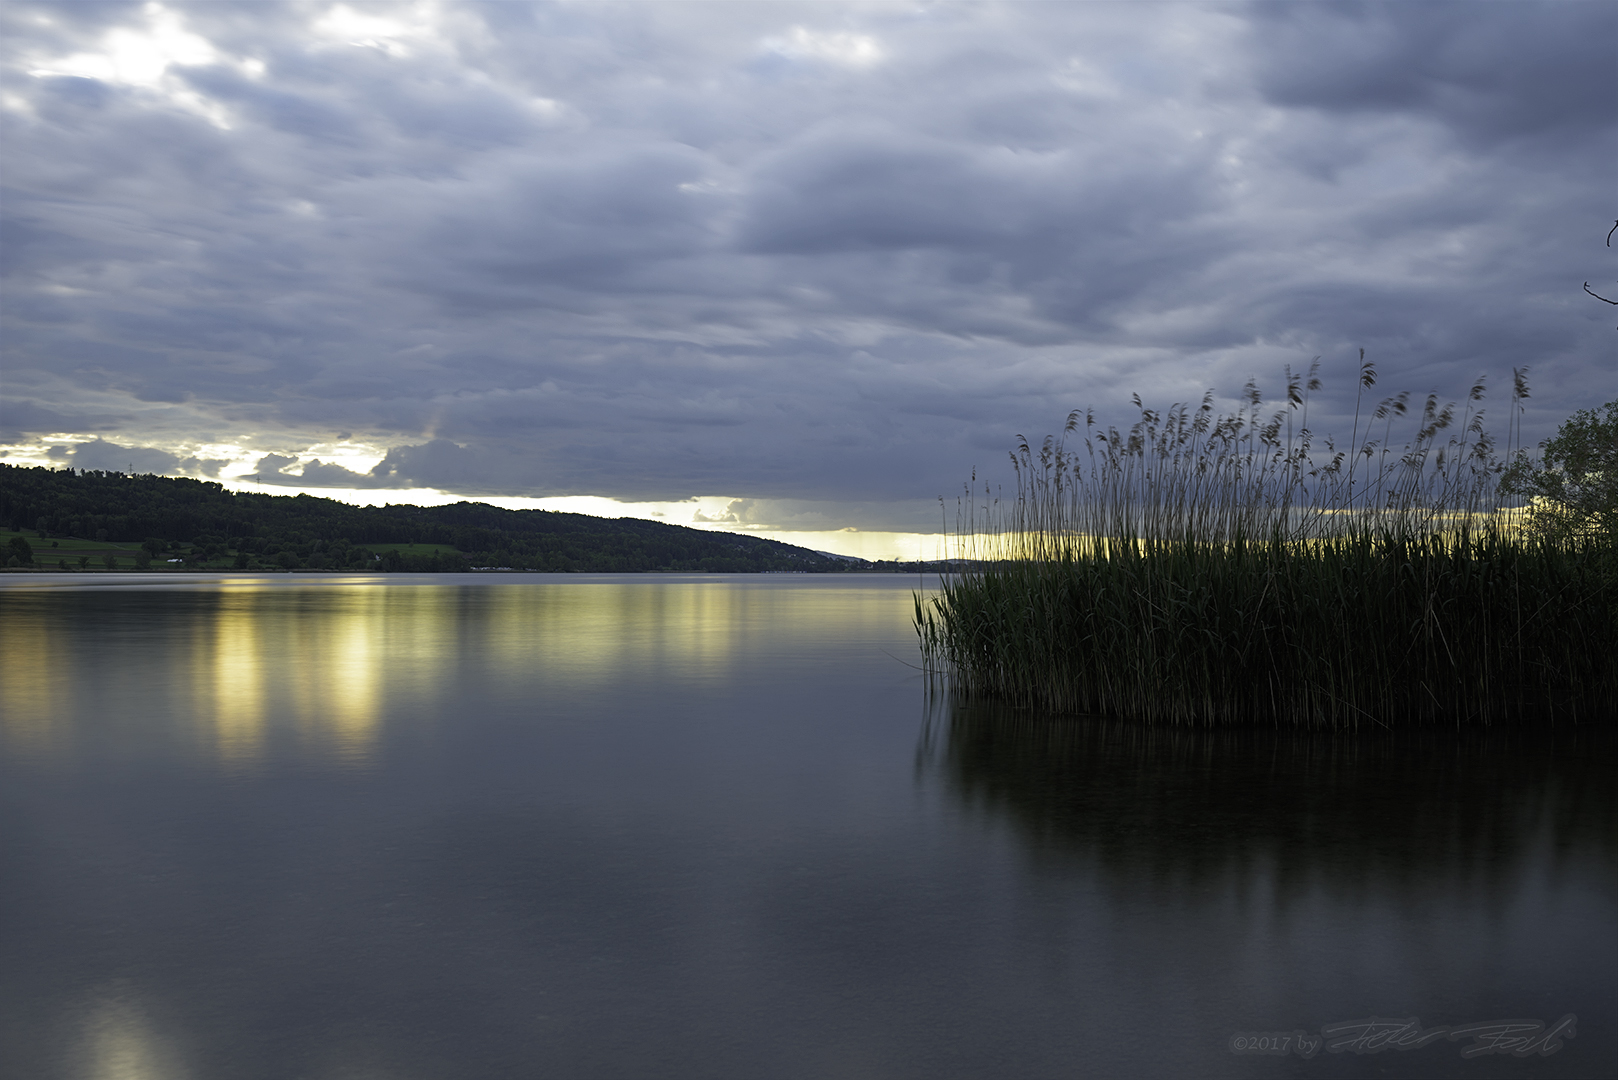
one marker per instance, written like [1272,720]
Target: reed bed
[1233,570]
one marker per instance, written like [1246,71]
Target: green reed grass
[1204,569]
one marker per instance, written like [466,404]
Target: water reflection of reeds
[1344,809]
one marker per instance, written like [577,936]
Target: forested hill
[154,518]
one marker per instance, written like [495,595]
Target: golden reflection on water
[596,632]
[334,660]
[246,668]
[317,666]
[118,1042]
[348,709]
[232,683]
[34,687]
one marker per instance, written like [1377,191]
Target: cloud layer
[816,257]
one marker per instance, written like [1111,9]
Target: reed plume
[1200,568]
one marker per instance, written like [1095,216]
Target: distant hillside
[153,519]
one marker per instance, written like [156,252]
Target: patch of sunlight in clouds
[842,47]
[33,453]
[370,30]
[141,58]
[883,546]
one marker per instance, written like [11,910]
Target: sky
[793,269]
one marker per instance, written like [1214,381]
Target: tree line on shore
[145,520]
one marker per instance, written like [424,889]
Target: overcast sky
[808,264]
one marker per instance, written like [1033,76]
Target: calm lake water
[536,826]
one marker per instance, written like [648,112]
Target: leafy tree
[21,550]
[1574,489]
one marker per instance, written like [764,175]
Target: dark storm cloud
[110,457]
[20,417]
[1524,71]
[274,469]
[444,464]
[804,256]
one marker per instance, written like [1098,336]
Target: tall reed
[1233,569]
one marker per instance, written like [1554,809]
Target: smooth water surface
[535,826]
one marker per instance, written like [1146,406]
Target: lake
[567,826]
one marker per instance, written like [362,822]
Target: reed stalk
[1233,570]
